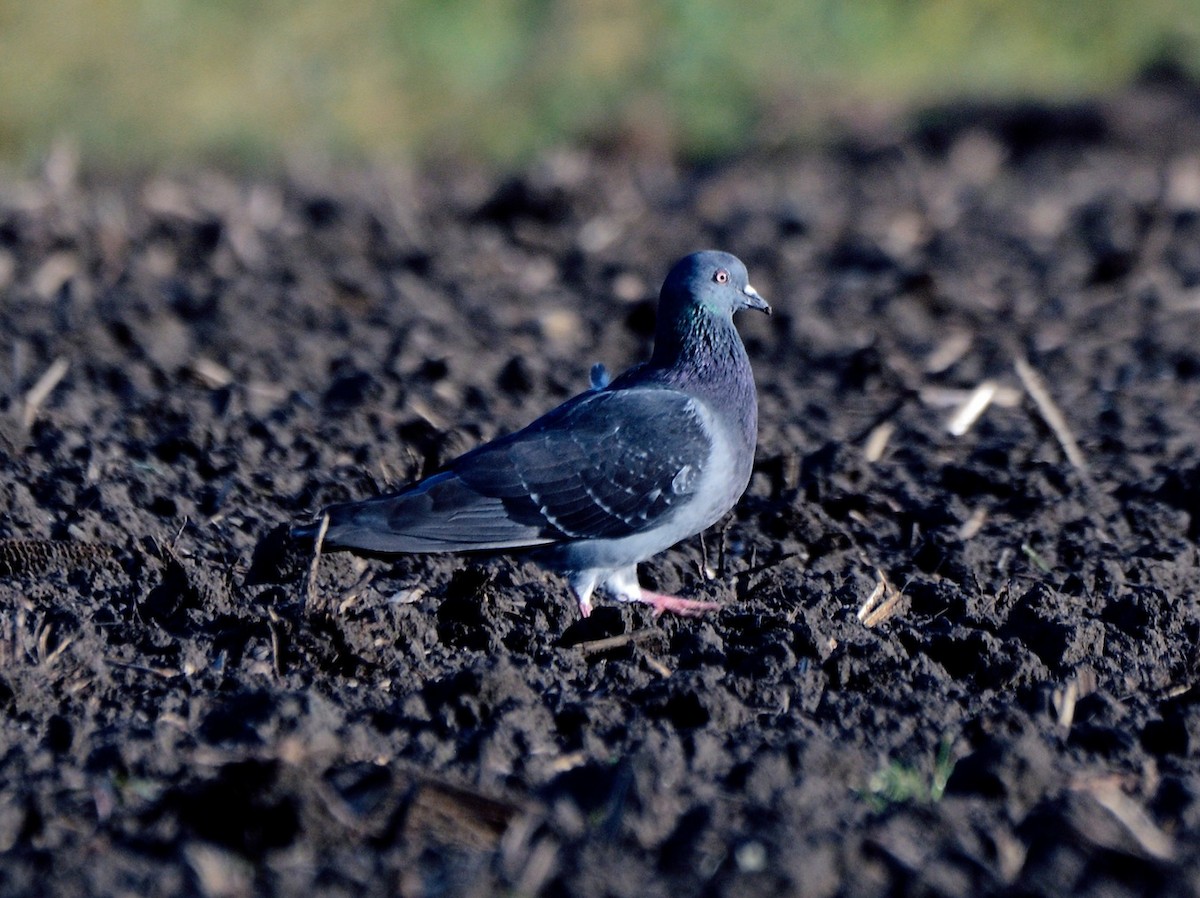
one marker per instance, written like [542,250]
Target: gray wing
[604,465]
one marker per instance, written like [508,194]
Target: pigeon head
[709,283]
[696,306]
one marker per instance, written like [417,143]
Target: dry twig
[211,373]
[166,673]
[877,441]
[310,598]
[970,528]
[1050,412]
[948,397]
[881,604]
[657,666]
[971,410]
[615,642]
[41,390]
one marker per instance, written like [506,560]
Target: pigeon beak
[754,301]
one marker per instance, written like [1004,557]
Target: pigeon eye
[722,276]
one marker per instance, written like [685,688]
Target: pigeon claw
[675,605]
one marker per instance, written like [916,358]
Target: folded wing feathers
[599,467]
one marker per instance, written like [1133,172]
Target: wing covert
[610,464]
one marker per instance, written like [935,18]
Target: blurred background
[250,84]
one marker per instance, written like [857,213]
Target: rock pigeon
[609,478]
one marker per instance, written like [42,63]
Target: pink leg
[584,584]
[685,607]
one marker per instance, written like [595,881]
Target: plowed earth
[187,711]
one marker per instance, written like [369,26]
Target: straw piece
[1035,386]
[971,410]
[41,390]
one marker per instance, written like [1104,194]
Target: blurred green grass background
[152,81]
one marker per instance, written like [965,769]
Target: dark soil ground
[185,713]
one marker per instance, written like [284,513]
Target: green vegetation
[147,80]
[897,783]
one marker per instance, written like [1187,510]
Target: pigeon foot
[676,605]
